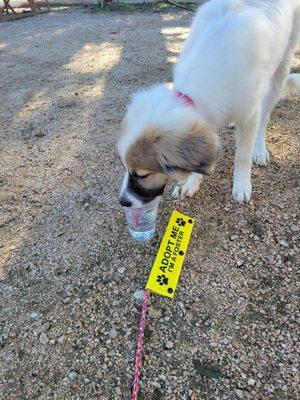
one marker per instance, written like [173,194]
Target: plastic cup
[141,221]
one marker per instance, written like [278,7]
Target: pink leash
[140,341]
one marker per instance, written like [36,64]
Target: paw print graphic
[162,280]
[180,222]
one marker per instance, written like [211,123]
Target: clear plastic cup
[141,221]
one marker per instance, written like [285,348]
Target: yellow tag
[167,266]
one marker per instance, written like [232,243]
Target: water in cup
[141,221]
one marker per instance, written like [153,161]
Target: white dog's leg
[260,151]
[279,82]
[187,188]
[245,137]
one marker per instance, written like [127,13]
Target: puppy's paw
[260,156]
[242,192]
[187,188]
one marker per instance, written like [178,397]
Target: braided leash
[140,341]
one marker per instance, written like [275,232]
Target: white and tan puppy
[233,68]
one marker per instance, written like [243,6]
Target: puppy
[233,68]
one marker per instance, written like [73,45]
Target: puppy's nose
[125,202]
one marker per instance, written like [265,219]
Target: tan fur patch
[168,152]
[141,154]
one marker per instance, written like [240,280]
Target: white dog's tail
[292,87]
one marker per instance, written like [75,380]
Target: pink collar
[186,99]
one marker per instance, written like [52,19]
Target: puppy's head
[163,147]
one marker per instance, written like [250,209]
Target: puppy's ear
[192,151]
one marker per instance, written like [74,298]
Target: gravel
[72,376]
[44,339]
[251,382]
[72,278]
[112,333]
[139,294]
[169,345]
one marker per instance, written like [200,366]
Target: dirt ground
[71,273]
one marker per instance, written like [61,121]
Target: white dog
[233,68]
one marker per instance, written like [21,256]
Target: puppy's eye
[141,176]
[144,176]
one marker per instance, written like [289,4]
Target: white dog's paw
[260,156]
[187,188]
[242,192]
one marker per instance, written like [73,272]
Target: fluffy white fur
[292,87]
[234,65]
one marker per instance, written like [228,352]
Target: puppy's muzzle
[125,202]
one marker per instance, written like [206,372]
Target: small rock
[40,134]
[68,287]
[233,237]
[154,313]
[283,243]
[251,382]
[295,228]
[169,345]
[239,393]
[239,263]
[34,315]
[72,375]
[118,391]
[61,339]
[121,270]
[245,368]
[66,300]
[45,326]
[235,344]
[112,333]
[156,385]
[139,294]
[44,338]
